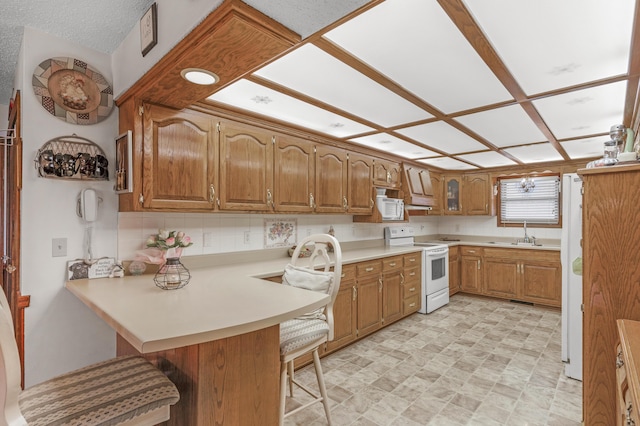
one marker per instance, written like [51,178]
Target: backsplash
[222,233]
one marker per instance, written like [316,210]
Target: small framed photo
[124,163]
[149,29]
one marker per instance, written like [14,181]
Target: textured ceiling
[102,25]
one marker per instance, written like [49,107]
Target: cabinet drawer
[412,259]
[411,305]
[410,290]
[348,272]
[368,268]
[412,275]
[471,251]
[392,263]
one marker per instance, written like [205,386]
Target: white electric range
[435,266]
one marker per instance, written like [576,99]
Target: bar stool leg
[323,389]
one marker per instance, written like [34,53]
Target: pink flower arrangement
[163,245]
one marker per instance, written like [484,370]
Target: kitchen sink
[517,243]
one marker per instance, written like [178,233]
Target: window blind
[539,204]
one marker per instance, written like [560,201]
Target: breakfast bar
[217,338]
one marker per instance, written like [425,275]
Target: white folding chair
[126,390]
[307,333]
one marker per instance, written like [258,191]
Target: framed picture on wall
[124,163]
[149,29]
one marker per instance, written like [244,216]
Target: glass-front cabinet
[452,187]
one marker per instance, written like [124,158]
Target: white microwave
[391,208]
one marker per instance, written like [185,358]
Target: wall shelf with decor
[72,157]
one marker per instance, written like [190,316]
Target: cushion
[309,279]
[297,333]
[104,394]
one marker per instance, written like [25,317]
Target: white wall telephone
[88,205]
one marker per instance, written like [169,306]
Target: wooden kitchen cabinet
[437,183]
[471,269]
[627,363]
[178,176]
[411,283]
[392,280]
[477,196]
[541,278]
[345,310]
[454,270]
[369,286]
[293,175]
[610,276]
[416,183]
[331,180]
[359,184]
[453,194]
[386,174]
[501,275]
[246,167]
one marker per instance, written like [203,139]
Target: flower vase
[172,275]
[173,252]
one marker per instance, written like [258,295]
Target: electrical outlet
[58,247]
[207,239]
[247,237]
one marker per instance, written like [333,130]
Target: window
[531,199]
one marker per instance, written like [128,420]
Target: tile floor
[476,361]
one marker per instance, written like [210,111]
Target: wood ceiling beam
[462,19]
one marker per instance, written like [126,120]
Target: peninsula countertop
[225,297]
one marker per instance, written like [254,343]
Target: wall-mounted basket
[72,157]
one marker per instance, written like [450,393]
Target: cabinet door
[470,274]
[179,164]
[386,174]
[246,169]
[331,180]
[477,194]
[437,183]
[391,297]
[452,192]
[369,285]
[345,311]
[541,282]
[454,270]
[293,175]
[359,184]
[500,277]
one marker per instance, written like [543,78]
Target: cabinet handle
[630,421]
[401,278]
[412,289]
[369,269]
[472,251]
[345,205]
[478,263]
[392,264]
[619,360]
[212,194]
[413,259]
[141,199]
[311,200]
[388,177]
[269,198]
[371,202]
[355,293]
[412,273]
[380,284]
[343,275]
[411,305]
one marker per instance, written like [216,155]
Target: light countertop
[225,297]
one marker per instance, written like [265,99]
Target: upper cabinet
[294,175]
[331,180]
[246,168]
[437,184]
[417,186]
[453,189]
[477,195]
[359,184]
[386,174]
[178,175]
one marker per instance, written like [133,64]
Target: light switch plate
[59,247]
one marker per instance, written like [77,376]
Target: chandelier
[527,184]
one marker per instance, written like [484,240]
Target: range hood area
[418,190]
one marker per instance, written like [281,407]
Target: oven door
[436,270]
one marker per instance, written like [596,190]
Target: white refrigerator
[571,259]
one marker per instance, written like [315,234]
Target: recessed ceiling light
[336,125]
[199,76]
[262,99]
[386,141]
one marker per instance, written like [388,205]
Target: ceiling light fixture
[262,99]
[199,76]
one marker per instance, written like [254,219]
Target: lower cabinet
[471,269]
[392,278]
[520,274]
[345,309]
[411,283]
[369,286]
[454,270]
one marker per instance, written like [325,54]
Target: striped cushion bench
[107,393]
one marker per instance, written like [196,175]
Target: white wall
[60,332]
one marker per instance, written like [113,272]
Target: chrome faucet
[526,237]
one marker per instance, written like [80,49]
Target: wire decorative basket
[72,157]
